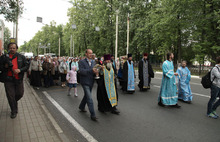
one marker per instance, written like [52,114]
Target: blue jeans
[87,99]
[212,105]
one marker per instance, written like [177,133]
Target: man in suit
[87,80]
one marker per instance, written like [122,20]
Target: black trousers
[14,92]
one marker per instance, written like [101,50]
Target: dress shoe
[188,102]
[115,111]
[83,110]
[176,106]
[13,115]
[102,111]
[161,104]
[94,118]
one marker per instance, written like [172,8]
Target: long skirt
[63,77]
[48,80]
[56,76]
[35,78]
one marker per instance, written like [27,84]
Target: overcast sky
[47,9]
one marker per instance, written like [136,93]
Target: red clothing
[15,66]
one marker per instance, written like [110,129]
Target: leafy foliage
[11,9]
[188,28]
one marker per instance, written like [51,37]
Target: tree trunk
[85,40]
[179,40]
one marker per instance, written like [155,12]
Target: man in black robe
[107,95]
[128,76]
[145,73]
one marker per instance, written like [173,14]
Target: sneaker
[212,115]
[214,112]
[76,95]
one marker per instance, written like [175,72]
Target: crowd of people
[71,71]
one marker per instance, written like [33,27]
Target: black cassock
[104,104]
[141,76]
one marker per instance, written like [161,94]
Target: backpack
[206,80]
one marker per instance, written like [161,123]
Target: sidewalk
[31,123]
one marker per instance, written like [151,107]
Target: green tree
[7,35]
[11,9]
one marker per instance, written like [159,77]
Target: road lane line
[84,133]
[197,94]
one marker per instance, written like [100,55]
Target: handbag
[65,72]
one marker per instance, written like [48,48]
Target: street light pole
[59,46]
[49,46]
[116,39]
[72,41]
[128,33]
[38,49]
[73,48]
[71,38]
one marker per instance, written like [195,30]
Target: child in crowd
[71,78]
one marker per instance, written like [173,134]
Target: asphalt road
[141,119]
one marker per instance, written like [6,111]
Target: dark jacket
[23,65]
[86,73]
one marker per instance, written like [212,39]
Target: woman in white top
[63,68]
[35,69]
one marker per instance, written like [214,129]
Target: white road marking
[84,133]
[197,94]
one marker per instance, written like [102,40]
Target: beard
[109,65]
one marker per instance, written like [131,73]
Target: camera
[8,61]
[4,59]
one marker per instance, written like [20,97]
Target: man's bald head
[89,53]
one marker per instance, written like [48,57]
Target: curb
[61,135]
[192,76]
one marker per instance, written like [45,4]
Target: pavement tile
[9,139]
[24,131]
[25,136]
[38,129]
[26,140]
[33,135]
[31,129]
[46,133]
[42,140]
[44,128]
[40,134]
[49,139]
[34,140]
[17,139]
